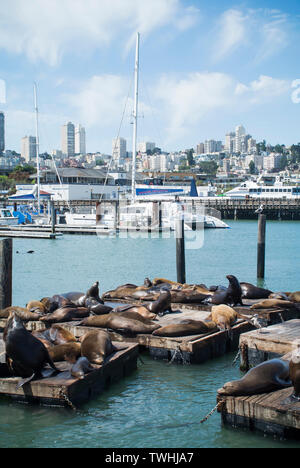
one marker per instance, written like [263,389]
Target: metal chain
[211,413]
[67,400]
[236,357]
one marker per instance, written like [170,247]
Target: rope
[236,357]
[178,352]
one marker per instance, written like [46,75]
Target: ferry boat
[252,189]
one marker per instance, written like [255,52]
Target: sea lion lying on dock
[223,316]
[25,354]
[96,346]
[294,297]
[65,352]
[249,291]
[23,313]
[81,367]
[36,307]
[273,303]
[65,314]
[185,328]
[119,324]
[140,311]
[295,372]
[162,304]
[266,377]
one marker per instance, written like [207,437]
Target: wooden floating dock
[272,342]
[28,234]
[64,390]
[274,413]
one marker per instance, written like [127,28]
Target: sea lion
[135,316]
[42,336]
[81,367]
[162,305]
[119,324]
[294,371]
[96,345]
[24,314]
[279,295]
[232,296]
[266,377]
[65,351]
[26,354]
[185,328]
[65,314]
[147,283]
[97,308]
[223,316]
[142,311]
[249,291]
[188,296]
[49,304]
[59,335]
[272,304]
[36,307]
[294,297]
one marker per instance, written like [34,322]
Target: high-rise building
[80,144]
[200,148]
[118,149]
[146,146]
[2,132]
[212,146]
[28,148]
[68,140]
[240,132]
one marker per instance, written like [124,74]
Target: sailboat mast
[37,144]
[135,115]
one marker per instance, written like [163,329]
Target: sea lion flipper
[25,381]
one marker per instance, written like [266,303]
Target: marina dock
[28,233]
[274,413]
[63,389]
[269,343]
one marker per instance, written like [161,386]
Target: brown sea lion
[135,316]
[24,314]
[26,355]
[65,315]
[37,307]
[49,304]
[272,304]
[223,316]
[295,372]
[249,291]
[186,328]
[266,377]
[65,351]
[294,297]
[59,335]
[188,296]
[140,310]
[279,295]
[162,305]
[96,345]
[42,336]
[81,367]
[119,324]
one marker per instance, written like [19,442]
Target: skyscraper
[68,139]
[80,145]
[240,132]
[118,149]
[28,148]
[2,132]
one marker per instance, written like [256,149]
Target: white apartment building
[146,146]
[230,142]
[212,146]
[240,132]
[80,140]
[68,140]
[118,149]
[28,148]
[272,161]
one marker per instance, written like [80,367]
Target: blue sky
[205,67]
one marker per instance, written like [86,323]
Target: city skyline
[204,69]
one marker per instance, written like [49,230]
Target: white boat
[252,189]
[7,218]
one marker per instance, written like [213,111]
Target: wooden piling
[5,273]
[98,212]
[53,217]
[180,249]
[261,246]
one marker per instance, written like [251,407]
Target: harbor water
[159,405]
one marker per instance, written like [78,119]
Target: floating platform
[269,343]
[274,413]
[192,349]
[64,390]
[29,234]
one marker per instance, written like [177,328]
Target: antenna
[135,115]
[37,144]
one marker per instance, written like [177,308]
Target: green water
[159,405]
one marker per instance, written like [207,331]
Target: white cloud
[265,87]
[47,29]
[232,31]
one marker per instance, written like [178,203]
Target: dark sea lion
[295,372]
[65,315]
[279,295]
[223,316]
[266,377]
[65,351]
[273,303]
[96,307]
[147,283]
[23,313]
[232,296]
[119,324]
[186,328]
[96,345]
[42,336]
[162,305]
[49,304]
[81,367]
[249,291]
[27,355]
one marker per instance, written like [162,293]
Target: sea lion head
[230,388]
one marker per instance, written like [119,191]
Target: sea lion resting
[65,314]
[25,354]
[294,371]
[119,324]
[141,310]
[273,303]
[223,316]
[266,377]
[37,307]
[24,314]
[249,291]
[81,367]
[65,352]
[232,296]
[294,297]
[96,345]
[186,328]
